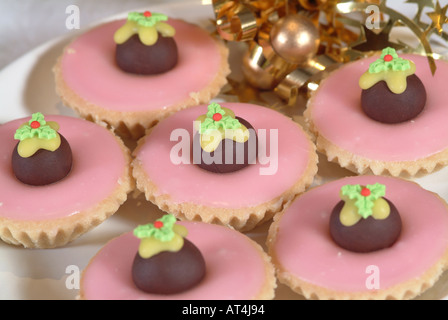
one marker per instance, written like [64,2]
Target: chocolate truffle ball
[169,272]
[134,57]
[243,153]
[366,235]
[44,167]
[381,104]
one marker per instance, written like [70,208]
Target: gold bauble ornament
[263,68]
[295,38]
[256,69]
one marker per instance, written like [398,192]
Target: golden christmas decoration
[291,45]
[235,21]
[264,71]
[438,17]
[295,38]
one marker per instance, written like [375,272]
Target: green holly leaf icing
[225,122]
[230,123]
[145,21]
[363,202]
[396,64]
[161,229]
[36,127]
[214,108]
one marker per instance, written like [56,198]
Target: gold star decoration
[438,17]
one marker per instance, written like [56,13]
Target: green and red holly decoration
[363,197]
[389,60]
[36,127]
[218,118]
[162,235]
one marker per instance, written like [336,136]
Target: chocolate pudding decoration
[392,92]
[227,143]
[42,156]
[145,44]
[364,221]
[166,262]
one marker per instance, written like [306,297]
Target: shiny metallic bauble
[295,38]
[255,72]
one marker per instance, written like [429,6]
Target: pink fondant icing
[336,112]
[89,69]
[234,268]
[186,182]
[98,164]
[304,247]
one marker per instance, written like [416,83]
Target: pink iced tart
[167,170]
[43,213]
[403,146]
[309,258]
[89,79]
[236,268]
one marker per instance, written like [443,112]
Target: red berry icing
[147,14]
[388,57]
[35,124]
[365,192]
[217,116]
[158,224]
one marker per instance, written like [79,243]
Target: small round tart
[312,264]
[89,80]
[52,215]
[347,136]
[237,268]
[165,169]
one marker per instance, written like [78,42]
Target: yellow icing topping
[381,209]
[210,141]
[148,34]
[349,213]
[180,230]
[395,79]
[27,147]
[151,246]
